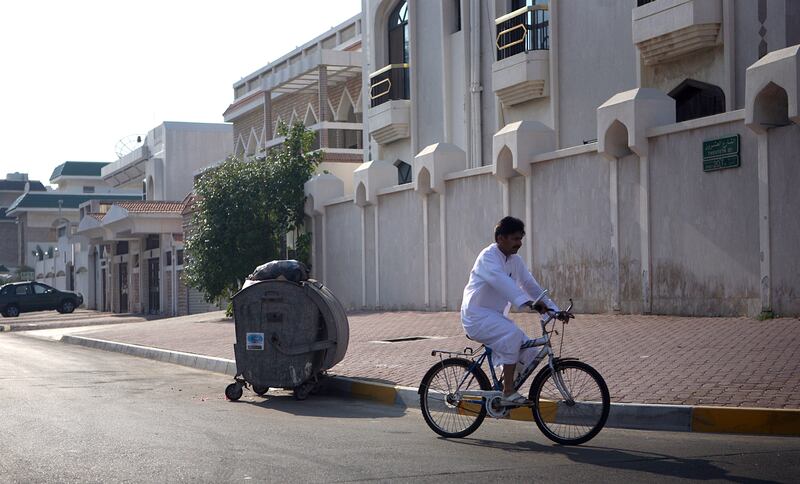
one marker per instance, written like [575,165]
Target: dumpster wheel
[301,392]
[233,391]
[260,391]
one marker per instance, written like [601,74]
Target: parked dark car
[24,297]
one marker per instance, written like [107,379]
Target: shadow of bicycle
[622,459]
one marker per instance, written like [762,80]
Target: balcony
[339,141]
[666,30]
[128,168]
[522,69]
[390,108]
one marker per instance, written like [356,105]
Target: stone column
[267,116]
[323,105]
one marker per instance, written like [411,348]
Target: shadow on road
[639,461]
[325,406]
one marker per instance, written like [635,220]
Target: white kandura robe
[496,282]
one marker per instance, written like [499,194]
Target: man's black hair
[509,225]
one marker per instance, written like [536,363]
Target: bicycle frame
[497,385]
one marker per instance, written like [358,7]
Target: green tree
[243,211]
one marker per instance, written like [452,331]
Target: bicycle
[569,399]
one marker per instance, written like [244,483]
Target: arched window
[695,99]
[398,34]
[403,172]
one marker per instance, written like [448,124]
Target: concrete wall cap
[369,178]
[523,140]
[772,90]
[433,163]
[319,190]
[637,110]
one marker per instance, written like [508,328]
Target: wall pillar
[764,223]
[377,258]
[363,256]
[443,245]
[644,233]
[622,122]
[772,99]
[614,210]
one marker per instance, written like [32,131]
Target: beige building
[136,247]
[11,188]
[650,148]
[318,84]
[46,222]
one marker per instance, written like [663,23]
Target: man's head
[508,234]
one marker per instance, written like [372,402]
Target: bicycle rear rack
[469,352]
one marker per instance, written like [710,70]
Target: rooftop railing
[388,84]
[522,30]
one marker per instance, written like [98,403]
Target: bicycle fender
[558,360]
[436,367]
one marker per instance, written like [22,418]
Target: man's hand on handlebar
[564,316]
[538,307]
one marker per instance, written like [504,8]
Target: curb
[675,418]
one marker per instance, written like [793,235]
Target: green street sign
[720,153]
[722,162]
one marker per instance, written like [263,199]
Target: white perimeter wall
[704,246]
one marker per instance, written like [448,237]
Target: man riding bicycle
[499,279]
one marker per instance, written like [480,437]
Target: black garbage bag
[291,270]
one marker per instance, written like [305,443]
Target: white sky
[76,77]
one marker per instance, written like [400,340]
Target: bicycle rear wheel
[574,421]
[444,412]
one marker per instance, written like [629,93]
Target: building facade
[135,251]
[47,221]
[11,188]
[649,147]
[318,84]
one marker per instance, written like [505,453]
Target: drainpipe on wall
[729,46]
[475,83]
[446,55]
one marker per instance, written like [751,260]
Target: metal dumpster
[287,335]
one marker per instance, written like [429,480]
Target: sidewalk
[80,317]
[734,375]
[730,362]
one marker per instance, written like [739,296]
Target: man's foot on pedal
[513,400]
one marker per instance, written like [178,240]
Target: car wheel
[11,312]
[67,307]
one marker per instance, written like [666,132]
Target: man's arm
[530,285]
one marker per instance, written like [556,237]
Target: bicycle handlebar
[551,314]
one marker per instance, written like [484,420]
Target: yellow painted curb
[374,392]
[523,414]
[746,420]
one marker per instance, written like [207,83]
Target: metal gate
[153,279]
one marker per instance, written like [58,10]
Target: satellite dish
[128,144]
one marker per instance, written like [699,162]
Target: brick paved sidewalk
[644,359]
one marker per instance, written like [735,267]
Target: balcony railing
[522,30]
[345,135]
[388,84]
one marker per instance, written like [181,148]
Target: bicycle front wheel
[444,409]
[576,417]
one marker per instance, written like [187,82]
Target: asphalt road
[72,414]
